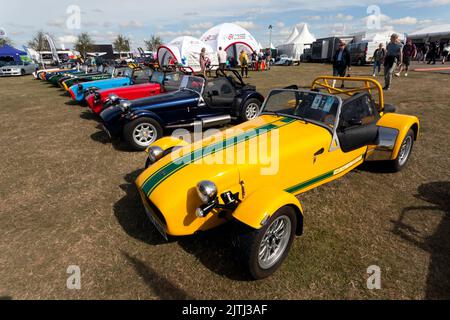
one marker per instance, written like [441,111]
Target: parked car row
[319,135]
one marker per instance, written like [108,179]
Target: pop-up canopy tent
[232,38]
[186,52]
[10,53]
[296,42]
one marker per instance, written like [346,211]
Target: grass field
[67,198]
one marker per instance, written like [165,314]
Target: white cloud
[432,3]
[279,25]
[58,23]
[67,39]
[313,18]
[404,21]
[342,17]
[202,25]
[249,25]
[131,24]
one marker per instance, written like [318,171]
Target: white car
[17,68]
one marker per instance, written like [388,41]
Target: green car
[111,72]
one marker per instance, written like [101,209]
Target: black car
[198,101]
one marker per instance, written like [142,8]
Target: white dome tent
[232,38]
[186,51]
[297,42]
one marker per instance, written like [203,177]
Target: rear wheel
[263,251]
[250,110]
[142,132]
[405,152]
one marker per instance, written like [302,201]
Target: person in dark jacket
[341,61]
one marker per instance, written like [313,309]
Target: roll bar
[372,86]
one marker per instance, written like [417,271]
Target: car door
[356,131]
[219,96]
[358,123]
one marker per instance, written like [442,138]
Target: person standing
[243,59]
[203,62]
[409,53]
[341,62]
[445,51]
[222,55]
[378,59]
[433,53]
[425,51]
[394,56]
[268,58]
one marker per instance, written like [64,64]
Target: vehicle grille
[155,210]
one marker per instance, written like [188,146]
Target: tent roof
[305,37]
[7,50]
[293,35]
[442,29]
[226,34]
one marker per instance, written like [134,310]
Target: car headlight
[125,105]
[154,154]
[207,191]
[113,98]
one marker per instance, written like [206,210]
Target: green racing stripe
[174,166]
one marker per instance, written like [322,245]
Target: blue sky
[140,19]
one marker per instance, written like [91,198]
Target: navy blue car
[208,103]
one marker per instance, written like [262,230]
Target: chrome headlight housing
[125,105]
[113,98]
[154,154]
[207,191]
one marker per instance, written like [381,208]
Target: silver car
[14,68]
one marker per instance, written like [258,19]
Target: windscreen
[314,106]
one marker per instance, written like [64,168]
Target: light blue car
[130,76]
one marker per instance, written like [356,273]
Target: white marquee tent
[432,33]
[297,42]
[232,38]
[186,51]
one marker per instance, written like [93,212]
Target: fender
[402,123]
[169,142]
[243,98]
[262,204]
[144,113]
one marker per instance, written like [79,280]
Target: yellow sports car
[251,174]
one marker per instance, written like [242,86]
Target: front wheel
[142,132]
[404,154]
[263,251]
[250,110]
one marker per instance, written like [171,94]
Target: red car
[159,83]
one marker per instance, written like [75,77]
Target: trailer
[323,49]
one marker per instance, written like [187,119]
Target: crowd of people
[395,58]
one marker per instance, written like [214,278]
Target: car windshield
[309,106]
[128,72]
[192,83]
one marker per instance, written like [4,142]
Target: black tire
[247,242]
[22,72]
[250,103]
[129,129]
[401,162]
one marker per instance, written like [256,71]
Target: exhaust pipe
[216,121]
[205,123]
